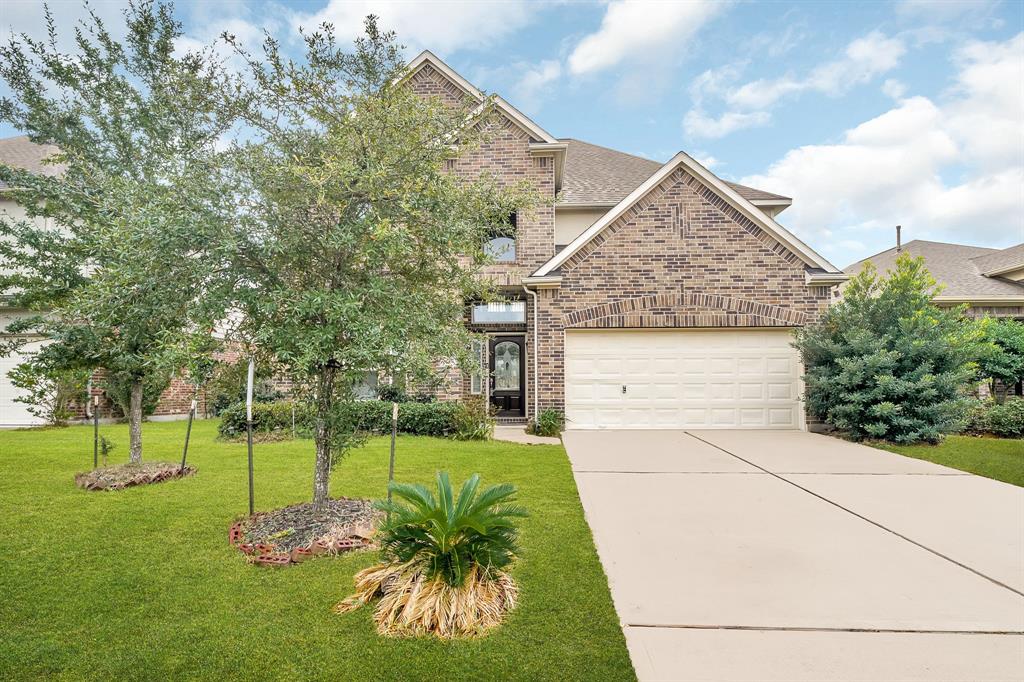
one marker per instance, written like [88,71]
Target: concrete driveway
[785,555]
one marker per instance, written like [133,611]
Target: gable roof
[20,152]
[1007,260]
[730,195]
[429,58]
[955,266]
[599,176]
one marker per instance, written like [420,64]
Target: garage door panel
[682,379]
[12,411]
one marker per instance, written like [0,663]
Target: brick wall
[681,258]
[505,155]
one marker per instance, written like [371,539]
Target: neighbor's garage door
[647,379]
[14,413]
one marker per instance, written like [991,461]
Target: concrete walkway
[518,434]
[784,555]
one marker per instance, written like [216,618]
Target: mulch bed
[127,475]
[294,534]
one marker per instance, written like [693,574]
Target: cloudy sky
[868,114]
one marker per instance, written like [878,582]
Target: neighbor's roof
[596,175]
[955,266]
[20,152]
[1001,261]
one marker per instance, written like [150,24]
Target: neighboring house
[645,295]
[19,152]
[990,282]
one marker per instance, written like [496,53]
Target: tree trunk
[135,421]
[322,437]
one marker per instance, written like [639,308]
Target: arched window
[501,246]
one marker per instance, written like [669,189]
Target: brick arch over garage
[683,310]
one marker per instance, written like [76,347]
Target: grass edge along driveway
[998,458]
[141,583]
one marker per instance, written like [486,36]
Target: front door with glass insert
[508,375]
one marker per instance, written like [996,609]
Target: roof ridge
[617,151]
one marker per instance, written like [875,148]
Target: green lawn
[998,458]
[141,583]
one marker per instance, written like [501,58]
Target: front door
[508,377]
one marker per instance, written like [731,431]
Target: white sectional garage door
[13,413]
[649,379]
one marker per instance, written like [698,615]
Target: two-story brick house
[644,295]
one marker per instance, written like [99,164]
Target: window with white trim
[499,312]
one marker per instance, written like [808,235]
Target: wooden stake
[248,428]
[95,431]
[394,436]
[188,430]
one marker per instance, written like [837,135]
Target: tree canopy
[117,247]
[354,250]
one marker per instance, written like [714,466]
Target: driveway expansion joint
[783,628]
[859,516]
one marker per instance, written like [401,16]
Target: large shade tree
[118,240]
[355,250]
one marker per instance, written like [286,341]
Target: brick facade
[506,155]
[681,257]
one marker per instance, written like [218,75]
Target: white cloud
[696,123]
[442,26]
[640,29]
[864,59]
[894,88]
[706,160]
[26,16]
[749,105]
[535,81]
[950,170]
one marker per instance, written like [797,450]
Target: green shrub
[549,423]
[886,362]
[1007,419]
[977,417]
[266,418]
[999,419]
[373,416]
[49,394]
[473,420]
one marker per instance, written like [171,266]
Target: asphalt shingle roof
[599,175]
[1012,257]
[953,265]
[20,152]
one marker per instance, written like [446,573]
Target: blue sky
[867,113]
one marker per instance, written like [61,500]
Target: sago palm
[443,560]
[451,535]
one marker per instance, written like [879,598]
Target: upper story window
[502,244]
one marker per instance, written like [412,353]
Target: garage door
[648,379]
[13,413]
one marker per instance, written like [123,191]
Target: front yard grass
[998,458]
[142,584]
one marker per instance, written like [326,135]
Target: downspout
[536,355]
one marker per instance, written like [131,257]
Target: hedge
[421,419]
[1004,419]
